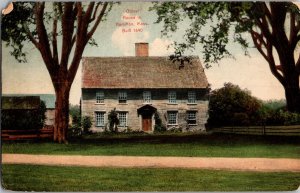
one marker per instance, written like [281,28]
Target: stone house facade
[143,89]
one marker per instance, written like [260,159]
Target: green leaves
[222,20]
[14,26]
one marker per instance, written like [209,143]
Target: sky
[115,39]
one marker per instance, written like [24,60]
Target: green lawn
[71,179]
[172,145]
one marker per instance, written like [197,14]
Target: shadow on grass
[176,138]
[211,139]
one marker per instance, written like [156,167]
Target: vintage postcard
[150,96]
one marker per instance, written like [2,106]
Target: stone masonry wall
[159,100]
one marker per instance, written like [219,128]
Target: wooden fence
[45,133]
[293,130]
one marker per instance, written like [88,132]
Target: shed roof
[141,72]
[20,102]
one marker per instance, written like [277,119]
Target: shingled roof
[141,72]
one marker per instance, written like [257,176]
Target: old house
[144,89]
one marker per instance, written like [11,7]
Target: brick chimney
[141,49]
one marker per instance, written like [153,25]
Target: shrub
[232,106]
[241,119]
[75,129]
[158,127]
[113,120]
[274,113]
[86,124]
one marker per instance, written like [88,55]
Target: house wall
[135,100]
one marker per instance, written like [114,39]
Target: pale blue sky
[248,72]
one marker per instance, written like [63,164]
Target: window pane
[172,117]
[191,117]
[123,119]
[172,96]
[191,97]
[99,119]
[100,97]
[122,97]
[147,96]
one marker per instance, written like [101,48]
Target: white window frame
[175,115]
[172,97]
[147,97]
[191,118]
[97,118]
[121,116]
[122,95]
[191,97]
[100,97]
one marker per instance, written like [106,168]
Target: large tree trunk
[292,93]
[61,114]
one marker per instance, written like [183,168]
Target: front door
[147,122]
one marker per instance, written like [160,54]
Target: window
[122,97]
[100,119]
[172,117]
[191,97]
[147,96]
[172,97]
[191,117]
[100,97]
[122,119]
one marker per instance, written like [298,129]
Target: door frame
[147,110]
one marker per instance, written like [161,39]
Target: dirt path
[244,164]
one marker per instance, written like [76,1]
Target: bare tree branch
[43,38]
[67,23]
[30,36]
[95,12]
[99,18]
[294,30]
[54,41]
[88,13]
[80,40]
[266,11]
[274,69]
[258,42]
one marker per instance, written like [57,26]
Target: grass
[71,179]
[167,145]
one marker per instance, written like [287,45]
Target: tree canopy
[274,29]
[232,106]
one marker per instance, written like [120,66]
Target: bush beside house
[230,105]
[233,106]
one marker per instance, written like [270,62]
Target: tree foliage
[86,124]
[274,113]
[274,28]
[232,106]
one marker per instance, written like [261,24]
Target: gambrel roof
[141,72]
